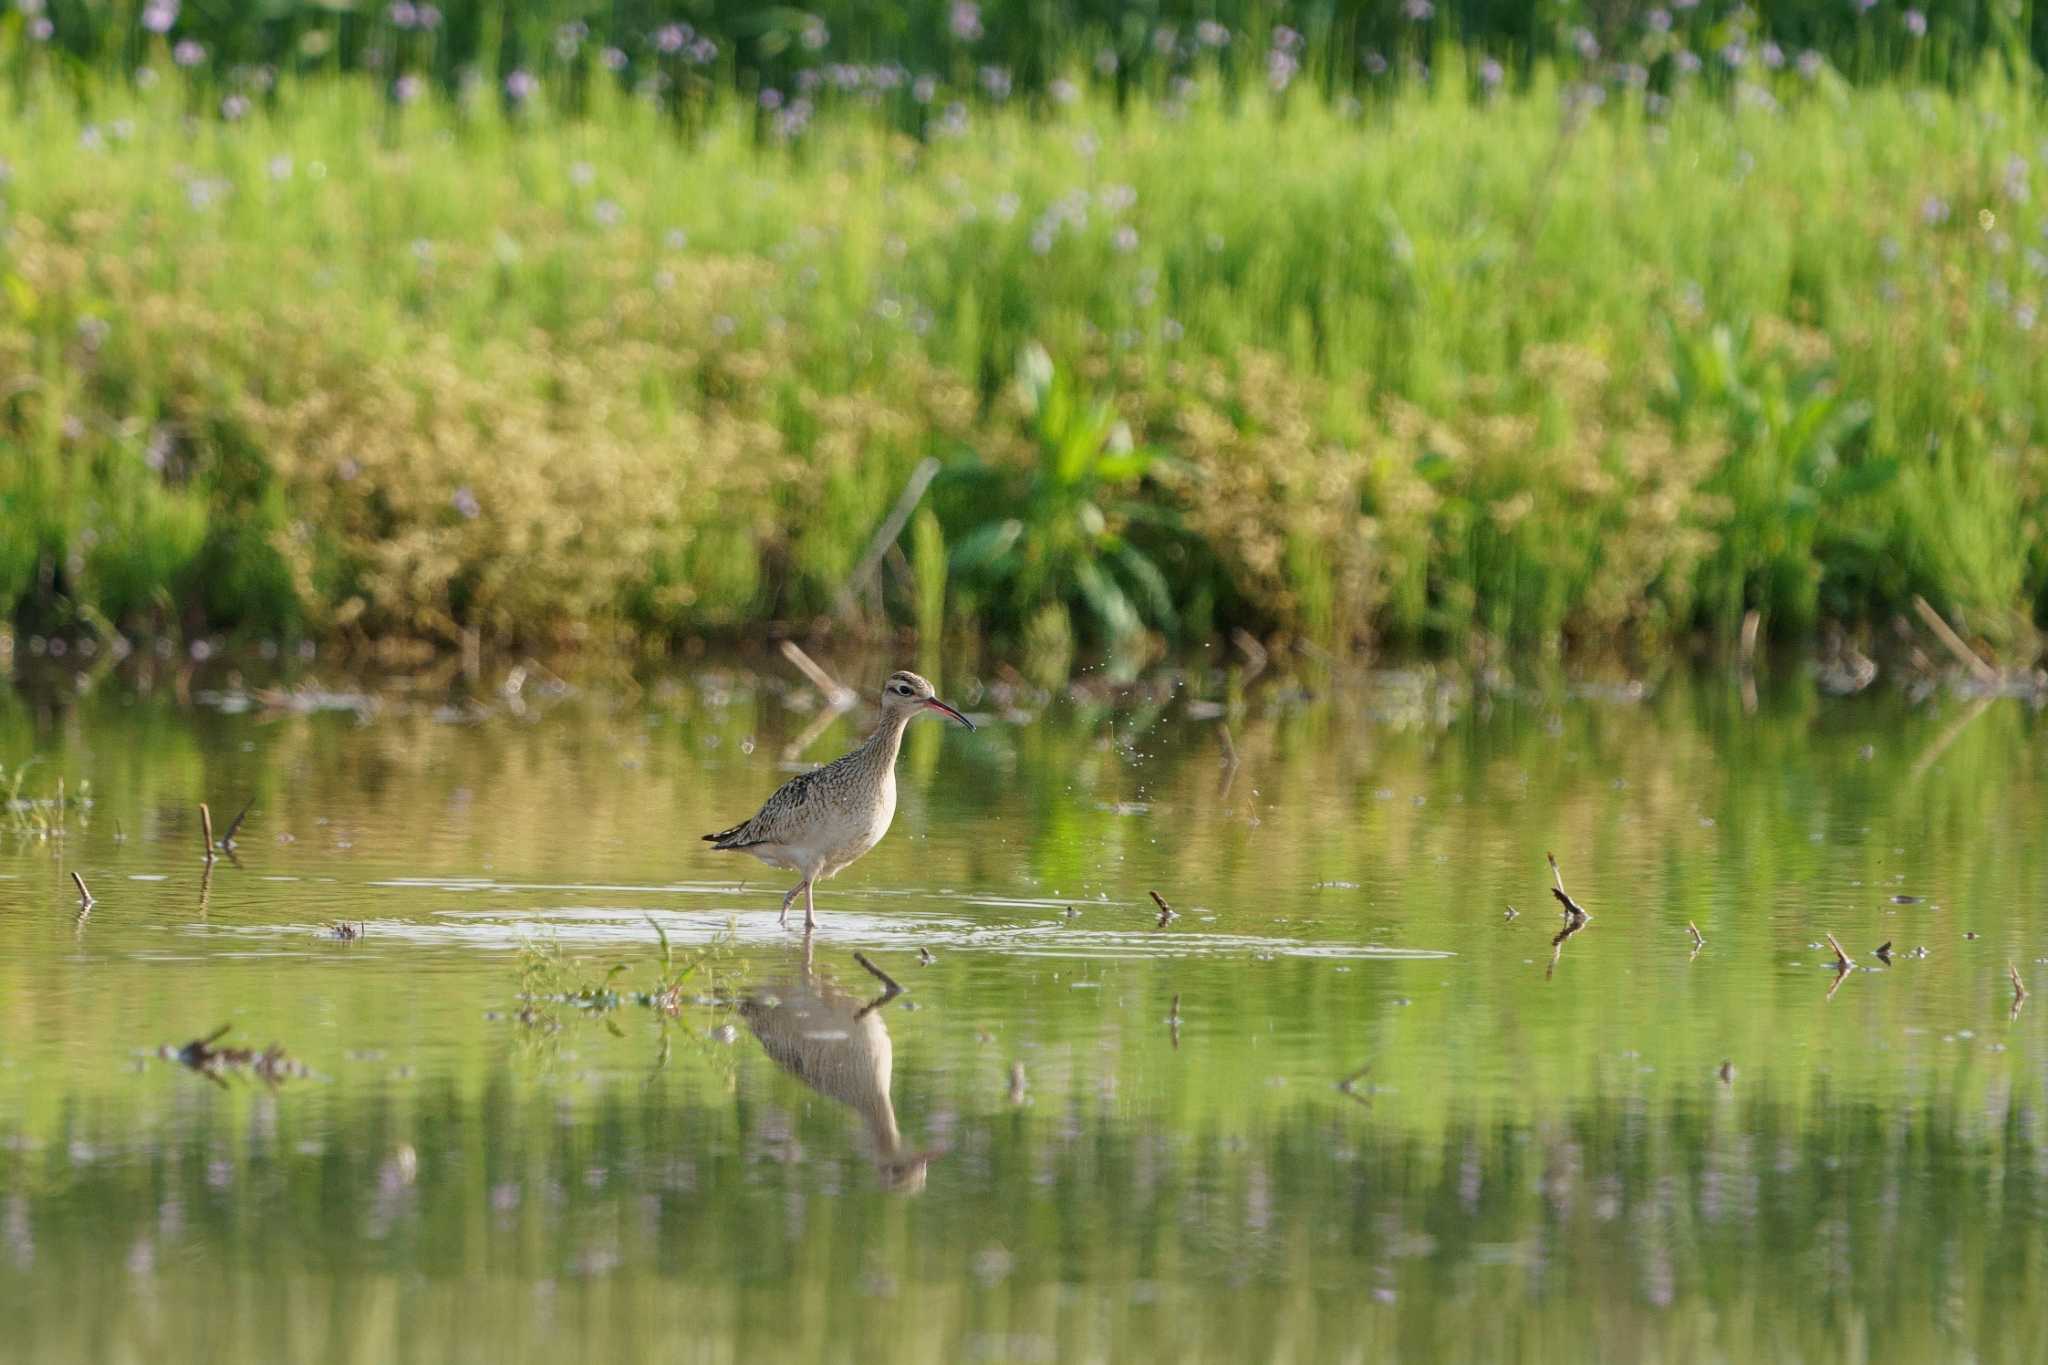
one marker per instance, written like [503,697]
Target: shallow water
[1028,1156]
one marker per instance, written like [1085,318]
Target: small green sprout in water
[39,817]
[549,976]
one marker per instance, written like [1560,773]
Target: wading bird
[818,822]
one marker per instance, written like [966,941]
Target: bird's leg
[786,900]
[810,912]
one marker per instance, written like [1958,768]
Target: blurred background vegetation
[1414,326]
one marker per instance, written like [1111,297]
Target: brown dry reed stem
[1698,939]
[1167,914]
[206,831]
[1572,909]
[1967,657]
[85,901]
[1842,959]
[227,840]
[837,697]
[2019,987]
[889,983]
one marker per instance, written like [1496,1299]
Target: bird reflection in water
[836,1043]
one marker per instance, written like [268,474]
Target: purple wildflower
[159,15]
[771,99]
[703,51]
[1419,11]
[1934,210]
[1375,64]
[464,501]
[1810,64]
[1063,90]
[1280,69]
[234,108]
[996,80]
[402,14]
[1286,39]
[569,39]
[1659,20]
[1491,74]
[1105,62]
[1773,55]
[188,53]
[965,21]
[40,29]
[1209,33]
[521,85]
[614,59]
[1687,61]
[1585,44]
[1916,23]
[813,35]
[429,16]
[408,88]
[608,213]
[791,122]
[671,37]
[925,89]
[1126,239]
[1164,39]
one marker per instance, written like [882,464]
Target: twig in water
[1019,1090]
[85,901]
[1969,658]
[1167,913]
[1229,745]
[206,830]
[837,697]
[1842,960]
[1173,1021]
[1349,1085]
[227,841]
[1698,940]
[1751,620]
[1254,652]
[1572,909]
[1727,1072]
[889,982]
[925,958]
[2019,987]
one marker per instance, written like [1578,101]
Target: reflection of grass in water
[552,979]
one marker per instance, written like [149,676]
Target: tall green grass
[1523,367]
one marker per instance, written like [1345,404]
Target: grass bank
[1568,363]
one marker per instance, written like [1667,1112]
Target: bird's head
[906,693]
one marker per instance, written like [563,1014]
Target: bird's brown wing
[786,798]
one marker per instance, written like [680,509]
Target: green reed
[1443,366]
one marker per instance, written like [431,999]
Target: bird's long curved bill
[937,705]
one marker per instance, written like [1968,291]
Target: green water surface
[1030,1155]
